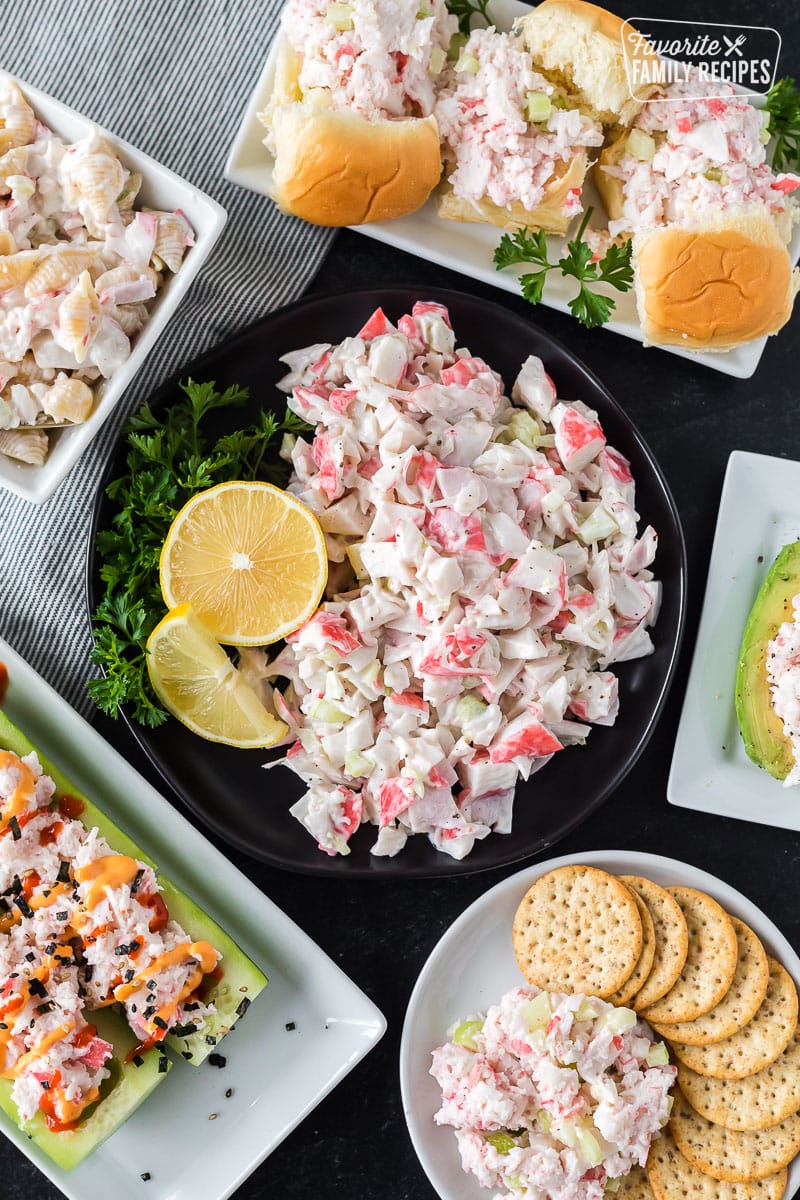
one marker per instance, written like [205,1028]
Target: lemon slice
[249,558]
[196,681]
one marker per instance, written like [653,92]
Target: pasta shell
[16,269]
[78,316]
[27,370]
[25,445]
[130,317]
[13,162]
[96,178]
[17,118]
[58,267]
[69,399]
[7,243]
[173,236]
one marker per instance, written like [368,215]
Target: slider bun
[715,285]
[580,46]
[547,215]
[333,167]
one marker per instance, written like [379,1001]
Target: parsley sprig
[170,458]
[783,104]
[465,10]
[590,307]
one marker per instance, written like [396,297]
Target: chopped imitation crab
[489,570]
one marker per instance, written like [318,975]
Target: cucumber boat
[135,1068]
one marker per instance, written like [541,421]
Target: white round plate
[473,965]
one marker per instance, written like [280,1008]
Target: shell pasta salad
[486,569]
[80,265]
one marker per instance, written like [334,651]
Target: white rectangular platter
[469,248]
[759,512]
[196,1142]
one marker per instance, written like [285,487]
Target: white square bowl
[161,189]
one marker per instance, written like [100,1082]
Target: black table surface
[355,1143]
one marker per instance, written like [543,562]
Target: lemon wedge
[196,681]
[249,558]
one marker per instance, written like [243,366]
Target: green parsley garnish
[465,10]
[169,459]
[783,105]
[590,307]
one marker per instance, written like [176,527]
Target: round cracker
[672,1177]
[728,1154]
[757,1045]
[645,963]
[738,1006]
[672,940]
[578,930]
[710,964]
[757,1102]
[634,1186]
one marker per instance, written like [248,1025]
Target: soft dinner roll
[716,284]
[333,167]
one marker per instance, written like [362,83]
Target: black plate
[247,806]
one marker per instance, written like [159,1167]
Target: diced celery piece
[537,106]
[457,43]
[523,428]
[357,765]
[371,673]
[619,1020]
[613,1186]
[717,175]
[657,1055]
[514,1183]
[465,1034]
[330,657]
[544,1119]
[538,1039]
[330,713]
[339,844]
[566,1132]
[586,1011]
[538,1012]
[340,16]
[558,102]
[287,446]
[424,10]
[468,708]
[589,1145]
[468,63]
[640,145]
[600,524]
[437,60]
[502,1142]
[356,562]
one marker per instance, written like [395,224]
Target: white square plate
[759,512]
[473,965]
[161,189]
[277,1076]
[469,248]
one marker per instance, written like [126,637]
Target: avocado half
[762,731]
[239,982]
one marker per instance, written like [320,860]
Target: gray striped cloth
[173,77]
